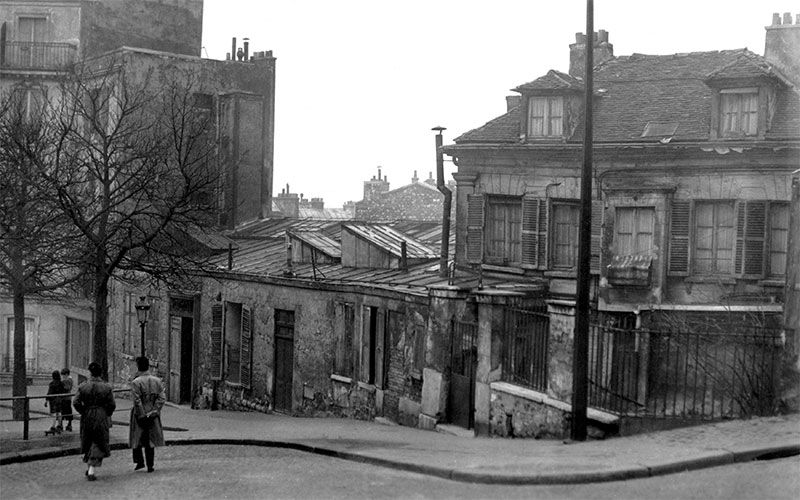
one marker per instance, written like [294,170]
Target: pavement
[456,456]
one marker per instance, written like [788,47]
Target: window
[745,238]
[345,325]
[31,345]
[503,230]
[419,346]
[231,349]
[130,340]
[545,116]
[77,343]
[29,103]
[634,230]
[714,238]
[564,235]
[372,345]
[738,112]
[778,239]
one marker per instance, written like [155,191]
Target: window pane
[556,111]
[778,238]
[536,115]
[623,240]
[503,231]
[565,235]
[749,113]
[715,237]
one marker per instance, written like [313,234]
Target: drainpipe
[448,200]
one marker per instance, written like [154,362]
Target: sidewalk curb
[715,458]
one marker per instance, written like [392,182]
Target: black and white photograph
[368,249]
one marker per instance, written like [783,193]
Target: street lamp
[142,308]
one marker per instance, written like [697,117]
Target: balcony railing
[37,55]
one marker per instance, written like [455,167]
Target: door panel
[174,359]
[284,361]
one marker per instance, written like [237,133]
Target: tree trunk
[20,383]
[99,339]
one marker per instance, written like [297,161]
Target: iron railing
[681,374]
[524,354]
[37,55]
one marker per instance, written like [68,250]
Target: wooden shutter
[751,229]
[475,216]
[534,232]
[679,231]
[215,349]
[597,236]
[246,348]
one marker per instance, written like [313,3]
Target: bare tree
[37,243]
[135,172]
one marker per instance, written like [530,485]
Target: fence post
[26,418]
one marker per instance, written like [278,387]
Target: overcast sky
[360,83]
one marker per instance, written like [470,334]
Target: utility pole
[580,344]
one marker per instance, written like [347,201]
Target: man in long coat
[146,432]
[95,403]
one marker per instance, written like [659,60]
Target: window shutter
[534,236]
[246,348]
[475,213]
[680,223]
[215,354]
[754,238]
[597,235]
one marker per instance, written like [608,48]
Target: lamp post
[142,308]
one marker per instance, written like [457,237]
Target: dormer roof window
[738,112]
[546,116]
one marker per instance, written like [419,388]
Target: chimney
[288,203]
[782,44]
[317,203]
[512,101]
[603,51]
[375,186]
[430,180]
[415,179]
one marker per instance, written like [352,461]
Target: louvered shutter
[754,238]
[534,232]
[679,231]
[215,349]
[246,346]
[597,235]
[475,214]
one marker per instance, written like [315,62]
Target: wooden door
[284,359]
[173,384]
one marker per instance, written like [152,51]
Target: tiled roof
[634,90]
[553,80]
[390,239]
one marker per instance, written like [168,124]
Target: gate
[463,362]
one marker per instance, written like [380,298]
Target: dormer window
[738,112]
[546,116]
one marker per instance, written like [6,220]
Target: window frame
[770,252]
[510,253]
[636,230]
[554,262]
[549,127]
[727,96]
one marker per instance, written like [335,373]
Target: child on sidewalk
[55,387]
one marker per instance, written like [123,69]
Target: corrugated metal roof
[390,239]
[320,242]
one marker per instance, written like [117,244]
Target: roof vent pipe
[233,48]
[446,206]
[246,49]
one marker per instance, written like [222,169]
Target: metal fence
[524,355]
[38,55]
[666,374]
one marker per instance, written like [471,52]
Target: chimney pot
[776,19]
[580,38]
[787,18]
[602,36]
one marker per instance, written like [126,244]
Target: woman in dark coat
[95,403]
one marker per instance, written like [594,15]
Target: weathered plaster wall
[169,26]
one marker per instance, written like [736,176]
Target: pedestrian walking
[55,402]
[95,403]
[146,432]
[66,403]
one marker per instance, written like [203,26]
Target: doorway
[284,359]
[181,350]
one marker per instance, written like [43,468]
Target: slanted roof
[390,240]
[553,80]
[632,91]
[320,242]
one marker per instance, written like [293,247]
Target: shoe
[139,466]
[91,477]
[150,469]
[69,428]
